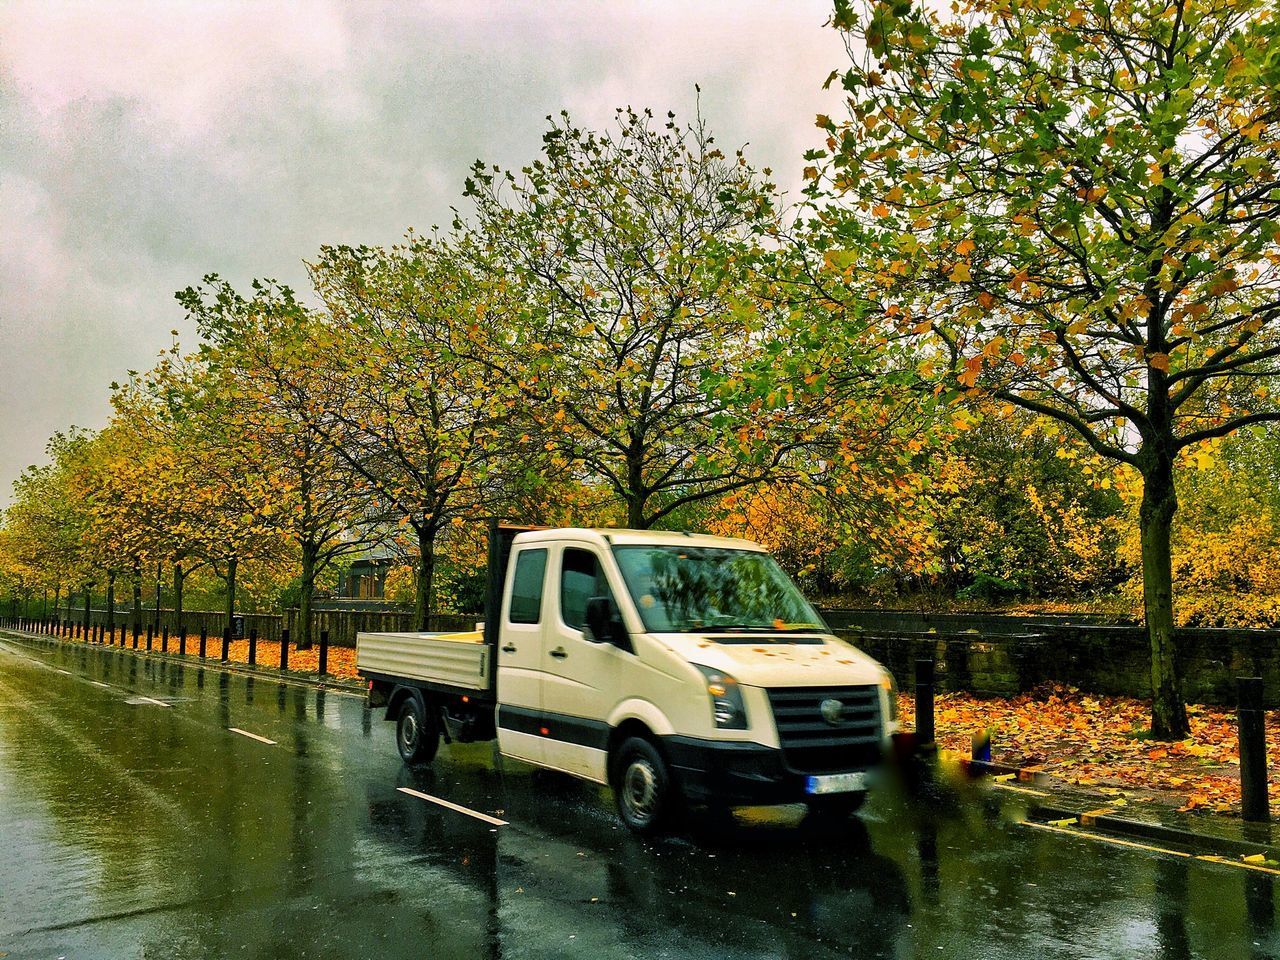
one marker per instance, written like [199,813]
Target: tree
[268,355]
[1078,205]
[620,264]
[426,429]
[191,499]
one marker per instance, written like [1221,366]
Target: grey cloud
[119,186]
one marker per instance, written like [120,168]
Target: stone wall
[1106,659]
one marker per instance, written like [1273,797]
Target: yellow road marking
[1104,839]
[1210,858]
[1027,790]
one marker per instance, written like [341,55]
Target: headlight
[727,708]
[890,687]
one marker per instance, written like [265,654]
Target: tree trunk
[57,599]
[425,574]
[303,626]
[159,594]
[1159,503]
[177,596]
[111,602]
[137,595]
[635,487]
[230,580]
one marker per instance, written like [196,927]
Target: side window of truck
[581,578]
[526,586]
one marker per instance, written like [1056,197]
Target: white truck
[672,667]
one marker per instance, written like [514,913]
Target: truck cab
[675,668]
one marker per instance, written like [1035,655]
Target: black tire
[836,805]
[417,733]
[646,795]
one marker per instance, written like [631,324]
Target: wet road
[135,823]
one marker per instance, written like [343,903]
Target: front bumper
[740,774]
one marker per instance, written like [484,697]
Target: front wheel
[642,785]
[417,736]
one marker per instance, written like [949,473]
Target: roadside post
[284,648]
[226,644]
[149,635]
[164,639]
[924,706]
[253,646]
[324,652]
[1251,721]
[137,631]
[981,751]
[204,640]
[182,641]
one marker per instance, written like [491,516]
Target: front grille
[810,744]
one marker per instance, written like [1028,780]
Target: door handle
[559,653]
[509,648]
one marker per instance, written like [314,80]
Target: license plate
[836,783]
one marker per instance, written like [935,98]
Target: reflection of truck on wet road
[672,667]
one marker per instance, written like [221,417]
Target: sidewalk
[303,664]
[1100,745]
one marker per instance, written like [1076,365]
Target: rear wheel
[643,787]
[417,734]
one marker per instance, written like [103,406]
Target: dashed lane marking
[99,683]
[151,700]
[453,806]
[251,736]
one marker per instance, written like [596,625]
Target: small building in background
[366,577]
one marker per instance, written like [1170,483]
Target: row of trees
[1060,217]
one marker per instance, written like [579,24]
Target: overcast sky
[143,145]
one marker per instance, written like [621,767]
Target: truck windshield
[693,589]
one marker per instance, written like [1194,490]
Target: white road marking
[158,703]
[251,736]
[99,683]
[453,806]
[60,670]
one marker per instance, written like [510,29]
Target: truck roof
[606,536]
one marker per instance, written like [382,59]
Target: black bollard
[1252,720]
[284,649]
[182,641]
[924,704]
[324,652]
[164,639]
[204,640]
[137,632]
[226,644]
[253,646]
[149,635]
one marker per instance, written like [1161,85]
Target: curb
[208,663]
[1104,820]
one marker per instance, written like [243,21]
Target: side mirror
[604,624]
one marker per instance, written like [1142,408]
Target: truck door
[581,680]
[520,643]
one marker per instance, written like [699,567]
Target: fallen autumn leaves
[1100,742]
